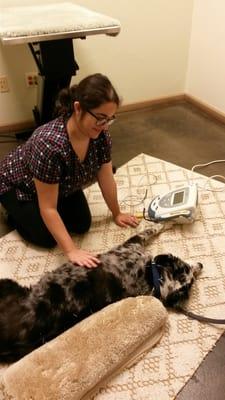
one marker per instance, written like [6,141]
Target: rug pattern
[163,371]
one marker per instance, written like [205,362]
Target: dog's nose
[197,268]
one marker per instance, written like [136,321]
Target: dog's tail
[11,315]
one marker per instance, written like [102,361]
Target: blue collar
[155,279]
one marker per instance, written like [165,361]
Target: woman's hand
[125,220]
[108,187]
[83,258]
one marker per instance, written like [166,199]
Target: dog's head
[175,278]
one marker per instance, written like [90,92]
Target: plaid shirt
[49,157]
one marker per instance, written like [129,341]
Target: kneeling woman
[42,181]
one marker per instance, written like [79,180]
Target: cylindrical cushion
[75,364]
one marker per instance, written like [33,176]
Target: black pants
[25,217]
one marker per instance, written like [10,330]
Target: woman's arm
[108,188]
[47,199]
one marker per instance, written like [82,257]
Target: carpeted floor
[163,372]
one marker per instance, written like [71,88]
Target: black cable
[200,318]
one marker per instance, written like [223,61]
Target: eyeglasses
[101,121]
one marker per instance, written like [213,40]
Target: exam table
[49,30]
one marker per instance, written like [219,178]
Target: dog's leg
[9,287]
[154,229]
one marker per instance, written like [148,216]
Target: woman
[41,181]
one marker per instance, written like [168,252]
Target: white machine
[179,204]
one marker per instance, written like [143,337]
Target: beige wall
[147,60]
[206,69]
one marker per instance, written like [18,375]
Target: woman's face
[92,122]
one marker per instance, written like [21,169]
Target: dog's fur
[31,316]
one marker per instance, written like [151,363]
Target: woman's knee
[42,238]
[46,241]
[83,226]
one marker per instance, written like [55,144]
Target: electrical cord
[135,200]
[211,177]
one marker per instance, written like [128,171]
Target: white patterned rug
[163,372]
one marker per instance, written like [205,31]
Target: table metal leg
[56,65]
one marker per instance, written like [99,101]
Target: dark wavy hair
[91,92]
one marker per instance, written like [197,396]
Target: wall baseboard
[208,110]
[153,104]
[18,127]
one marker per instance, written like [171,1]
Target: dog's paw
[169,224]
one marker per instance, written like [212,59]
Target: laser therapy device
[179,204]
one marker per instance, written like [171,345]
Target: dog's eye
[182,278]
[186,269]
[178,272]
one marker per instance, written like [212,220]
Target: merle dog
[31,316]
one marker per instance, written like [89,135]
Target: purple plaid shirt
[49,157]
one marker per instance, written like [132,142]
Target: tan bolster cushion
[77,363]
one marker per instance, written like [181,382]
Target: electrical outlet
[31,79]
[4,85]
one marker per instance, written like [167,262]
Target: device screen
[178,197]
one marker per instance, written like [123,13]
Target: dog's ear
[163,259]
